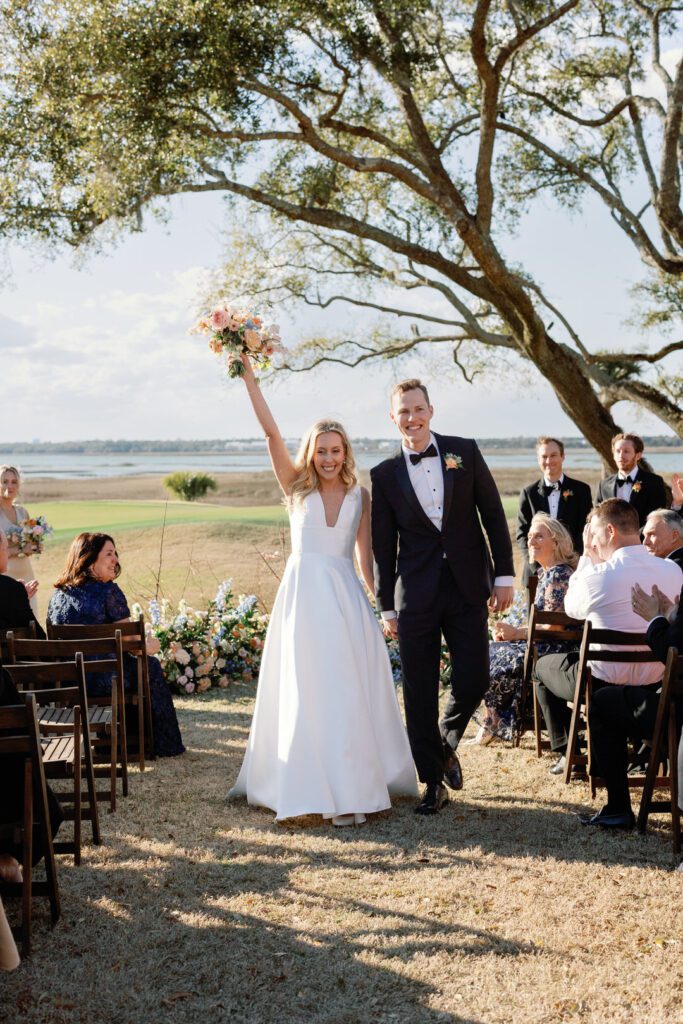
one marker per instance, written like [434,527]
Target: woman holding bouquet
[327,736]
[12,516]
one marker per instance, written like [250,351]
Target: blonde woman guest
[327,736]
[12,515]
[550,545]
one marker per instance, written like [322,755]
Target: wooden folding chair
[107,723]
[667,722]
[563,628]
[592,651]
[20,632]
[20,736]
[134,643]
[67,748]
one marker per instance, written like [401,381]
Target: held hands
[501,598]
[649,606]
[390,628]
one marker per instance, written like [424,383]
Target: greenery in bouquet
[28,536]
[238,633]
[233,331]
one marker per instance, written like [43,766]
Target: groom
[434,576]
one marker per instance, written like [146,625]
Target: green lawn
[70,517]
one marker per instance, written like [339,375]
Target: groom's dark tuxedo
[647,494]
[438,581]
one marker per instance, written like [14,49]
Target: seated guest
[600,590]
[550,547]
[86,594]
[15,608]
[645,491]
[663,535]
[555,494]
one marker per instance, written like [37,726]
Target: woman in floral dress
[551,546]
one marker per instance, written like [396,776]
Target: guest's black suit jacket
[572,512]
[676,556]
[662,634]
[15,608]
[408,548]
[651,495]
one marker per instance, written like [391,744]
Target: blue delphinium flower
[245,605]
[222,594]
[154,613]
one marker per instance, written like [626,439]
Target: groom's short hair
[409,385]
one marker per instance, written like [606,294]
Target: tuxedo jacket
[677,557]
[662,634]
[15,608]
[408,548]
[650,495]
[576,501]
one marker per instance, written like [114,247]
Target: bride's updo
[307,478]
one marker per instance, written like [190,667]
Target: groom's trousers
[464,628]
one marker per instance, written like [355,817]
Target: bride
[327,736]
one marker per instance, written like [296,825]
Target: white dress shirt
[602,593]
[554,496]
[624,490]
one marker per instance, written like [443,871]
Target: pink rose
[220,318]
[189,687]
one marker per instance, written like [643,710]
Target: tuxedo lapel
[408,491]
[542,498]
[448,482]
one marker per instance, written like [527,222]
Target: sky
[99,347]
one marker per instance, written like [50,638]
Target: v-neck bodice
[310,533]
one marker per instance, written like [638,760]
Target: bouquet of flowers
[28,536]
[238,633]
[235,331]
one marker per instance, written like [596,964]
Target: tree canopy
[394,145]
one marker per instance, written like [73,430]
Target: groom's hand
[390,627]
[501,598]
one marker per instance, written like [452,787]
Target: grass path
[500,909]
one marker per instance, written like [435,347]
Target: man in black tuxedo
[15,608]
[663,535]
[561,497]
[434,576]
[645,491]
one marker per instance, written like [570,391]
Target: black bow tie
[621,480]
[428,453]
[549,488]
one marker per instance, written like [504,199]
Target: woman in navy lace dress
[85,594]
[551,546]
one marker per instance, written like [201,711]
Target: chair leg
[537,724]
[674,733]
[90,781]
[27,865]
[78,806]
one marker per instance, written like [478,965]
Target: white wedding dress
[327,735]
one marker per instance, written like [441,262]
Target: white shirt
[602,593]
[554,496]
[624,490]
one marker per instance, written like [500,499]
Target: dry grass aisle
[501,909]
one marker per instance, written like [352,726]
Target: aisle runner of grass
[70,517]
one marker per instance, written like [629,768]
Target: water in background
[254,458]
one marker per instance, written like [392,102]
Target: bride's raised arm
[283,466]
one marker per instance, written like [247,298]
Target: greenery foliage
[190,486]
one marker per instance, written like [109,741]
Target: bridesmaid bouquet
[29,536]
[236,331]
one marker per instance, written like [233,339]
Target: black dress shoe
[607,819]
[433,799]
[452,770]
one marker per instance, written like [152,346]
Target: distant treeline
[222,444]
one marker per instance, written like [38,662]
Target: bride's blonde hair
[307,480]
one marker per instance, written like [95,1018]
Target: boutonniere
[452,461]
[567,494]
[636,487]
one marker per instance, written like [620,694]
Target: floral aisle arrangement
[28,536]
[235,332]
[211,648]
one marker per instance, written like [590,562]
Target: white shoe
[343,820]
[482,739]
